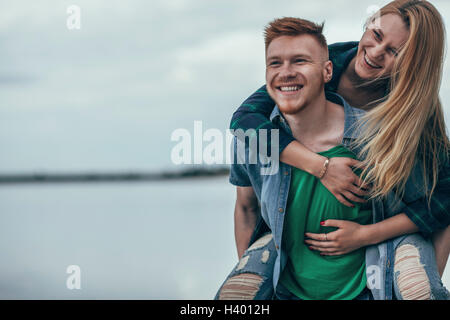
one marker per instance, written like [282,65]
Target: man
[292,201]
[294,204]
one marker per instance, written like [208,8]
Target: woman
[394,72]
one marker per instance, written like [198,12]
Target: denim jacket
[272,192]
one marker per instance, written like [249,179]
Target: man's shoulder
[352,115]
[338,99]
[355,112]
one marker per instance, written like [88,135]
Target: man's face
[297,68]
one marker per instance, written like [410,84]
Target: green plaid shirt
[255,112]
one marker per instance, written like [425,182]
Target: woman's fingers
[360,183]
[344,201]
[321,244]
[350,196]
[343,183]
[358,191]
[335,253]
[356,163]
[325,250]
[317,236]
[356,179]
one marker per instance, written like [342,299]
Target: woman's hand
[349,237]
[343,183]
[339,179]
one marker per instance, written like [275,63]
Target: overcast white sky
[108,96]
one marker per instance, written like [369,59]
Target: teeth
[370,63]
[290,88]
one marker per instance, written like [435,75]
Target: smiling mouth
[290,88]
[370,63]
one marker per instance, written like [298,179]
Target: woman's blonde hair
[408,125]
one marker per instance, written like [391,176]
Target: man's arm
[246,214]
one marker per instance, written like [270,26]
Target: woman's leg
[441,242]
[252,277]
[416,275]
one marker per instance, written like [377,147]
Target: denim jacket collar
[352,115]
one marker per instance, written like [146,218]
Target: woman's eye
[377,35]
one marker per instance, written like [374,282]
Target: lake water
[160,240]
[164,240]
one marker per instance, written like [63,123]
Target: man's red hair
[293,27]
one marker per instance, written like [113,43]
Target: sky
[107,97]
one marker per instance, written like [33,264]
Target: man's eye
[300,60]
[274,63]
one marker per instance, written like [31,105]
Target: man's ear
[328,71]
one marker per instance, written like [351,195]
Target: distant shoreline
[131,176]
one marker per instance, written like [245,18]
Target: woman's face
[379,46]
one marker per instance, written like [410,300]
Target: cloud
[228,54]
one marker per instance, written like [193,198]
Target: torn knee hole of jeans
[261,242]
[412,279]
[241,287]
[242,263]
[265,255]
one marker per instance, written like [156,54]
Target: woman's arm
[351,235]
[254,113]
[431,218]
[339,178]
[390,228]
[431,215]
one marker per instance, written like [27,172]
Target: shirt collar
[352,116]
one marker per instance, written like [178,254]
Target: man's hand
[349,237]
[343,183]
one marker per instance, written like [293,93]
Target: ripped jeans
[415,273]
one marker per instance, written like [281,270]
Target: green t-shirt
[307,274]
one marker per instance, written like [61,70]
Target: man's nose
[287,70]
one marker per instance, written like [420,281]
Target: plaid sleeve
[437,215]
[254,113]
[238,172]
[239,176]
